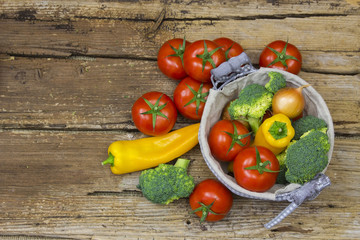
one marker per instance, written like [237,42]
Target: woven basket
[220,96]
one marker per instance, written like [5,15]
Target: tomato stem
[155,110]
[260,166]
[199,97]
[179,52]
[235,138]
[205,209]
[206,56]
[281,56]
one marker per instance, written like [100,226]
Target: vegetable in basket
[275,133]
[167,182]
[140,154]
[307,123]
[256,169]
[307,156]
[276,82]
[252,103]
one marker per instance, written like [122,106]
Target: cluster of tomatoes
[155,113]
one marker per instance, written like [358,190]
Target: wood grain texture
[70,72]
[98,93]
[68,193]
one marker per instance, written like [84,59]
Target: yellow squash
[135,155]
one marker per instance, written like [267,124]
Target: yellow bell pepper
[275,133]
[135,155]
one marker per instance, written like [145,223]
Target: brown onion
[289,101]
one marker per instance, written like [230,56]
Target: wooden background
[70,72]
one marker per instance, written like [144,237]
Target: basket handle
[308,191]
[230,70]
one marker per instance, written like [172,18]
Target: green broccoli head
[308,123]
[276,82]
[166,182]
[252,103]
[307,157]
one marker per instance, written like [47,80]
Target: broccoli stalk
[167,182]
[251,105]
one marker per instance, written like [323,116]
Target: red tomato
[170,56]
[227,138]
[202,56]
[281,55]
[211,198]
[154,113]
[190,97]
[230,47]
[252,179]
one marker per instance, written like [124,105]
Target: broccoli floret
[167,182]
[251,105]
[307,123]
[307,157]
[276,82]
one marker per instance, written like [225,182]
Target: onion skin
[289,101]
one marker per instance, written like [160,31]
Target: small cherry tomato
[227,138]
[230,47]
[190,97]
[170,58]
[154,113]
[256,169]
[281,55]
[211,200]
[202,56]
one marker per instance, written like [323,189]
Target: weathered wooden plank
[325,49]
[148,10]
[98,93]
[69,194]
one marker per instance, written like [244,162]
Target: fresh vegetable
[289,101]
[211,200]
[307,157]
[190,97]
[256,169]
[154,113]
[135,155]
[230,47]
[227,138]
[275,133]
[281,55]
[276,82]
[200,57]
[167,182]
[170,58]
[281,177]
[306,124]
[252,103]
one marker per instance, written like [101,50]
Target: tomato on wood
[202,56]
[170,58]
[256,169]
[154,113]
[211,200]
[281,55]
[230,47]
[227,138]
[190,97]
